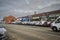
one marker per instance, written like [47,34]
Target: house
[9,19]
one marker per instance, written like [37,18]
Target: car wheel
[54,29]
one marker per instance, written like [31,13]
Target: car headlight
[4,32]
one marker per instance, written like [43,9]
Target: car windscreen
[51,18]
[58,20]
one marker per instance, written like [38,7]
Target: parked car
[42,22]
[55,26]
[37,22]
[47,23]
[24,22]
[3,33]
[13,22]
[32,23]
[16,22]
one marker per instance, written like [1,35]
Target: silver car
[3,33]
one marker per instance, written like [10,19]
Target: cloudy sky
[26,7]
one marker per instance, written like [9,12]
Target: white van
[56,25]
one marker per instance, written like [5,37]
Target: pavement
[26,32]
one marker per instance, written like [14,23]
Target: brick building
[9,19]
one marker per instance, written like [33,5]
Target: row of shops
[40,16]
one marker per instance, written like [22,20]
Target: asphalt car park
[26,32]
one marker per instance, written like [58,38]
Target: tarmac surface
[26,32]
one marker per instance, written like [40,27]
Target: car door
[57,23]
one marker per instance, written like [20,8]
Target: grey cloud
[7,7]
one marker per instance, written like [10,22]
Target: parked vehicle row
[30,22]
[53,22]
